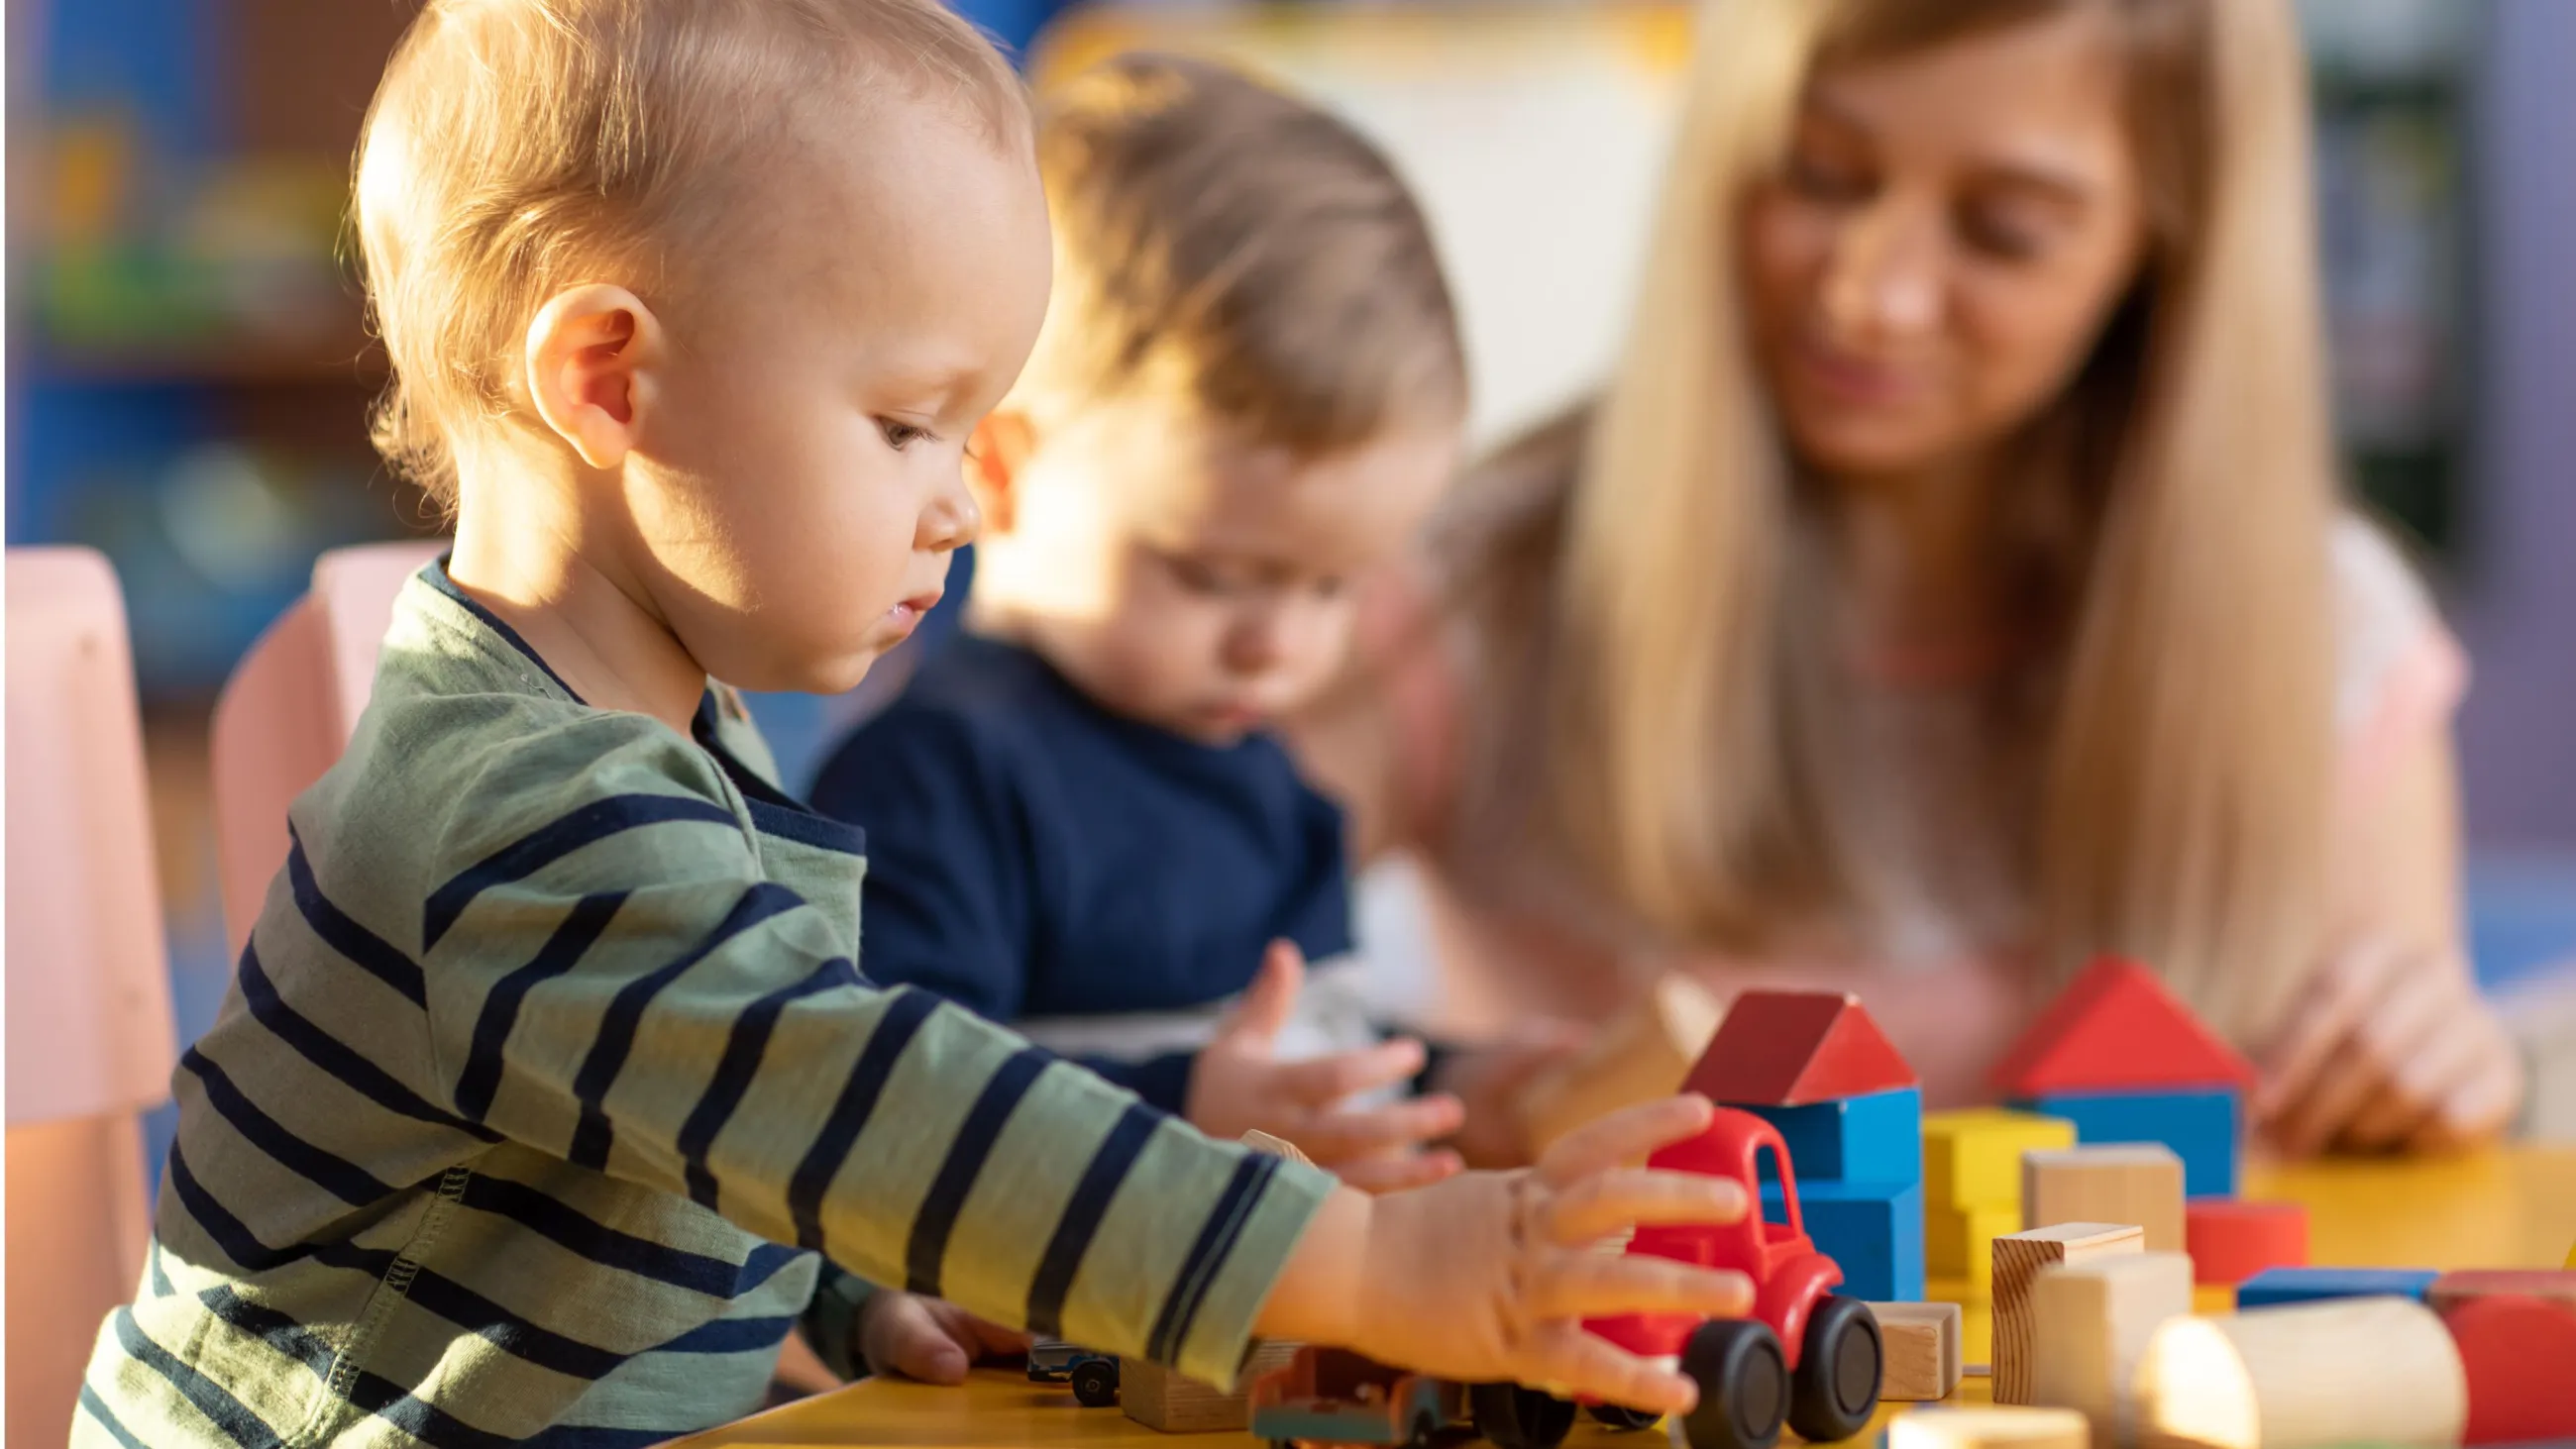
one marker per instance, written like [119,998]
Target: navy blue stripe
[1216,1239]
[740,1065]
[563,951]
[337,1058]
[601,1244]
[230,1234]
[1083,1212]
[370,952]
[508,1331]
[796,823]
[97,1409]
[436,576]
[229,1414]
[290,1338]
[426,1422]
[593,1137]
[937,1216]
[731,1335]
[327,1170]
[905,1010]
[573,830]
[370,1392]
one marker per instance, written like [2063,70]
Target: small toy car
[1094,1376]
[1808,1355]
[1327,1398]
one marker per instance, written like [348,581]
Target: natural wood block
[1990,1428]
[2018,1259]
[1160,1398]
[2091,1322]
[2129,1182]
[1645,1052]
[1920,1343]
[1972,1155]
[2352,1371]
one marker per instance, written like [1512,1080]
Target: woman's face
[1942,243]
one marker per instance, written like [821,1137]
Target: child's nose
[950,522]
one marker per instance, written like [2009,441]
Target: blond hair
[515,147]
[1230,245]
[2186,473]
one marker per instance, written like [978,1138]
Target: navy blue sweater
[1032,855]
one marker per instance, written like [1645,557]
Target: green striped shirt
[549,1097]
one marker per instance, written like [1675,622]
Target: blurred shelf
[349,361]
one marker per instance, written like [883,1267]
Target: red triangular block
[2118,1028]
[1790,1048]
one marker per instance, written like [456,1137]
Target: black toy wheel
[1095,1384]
[1620,1416]
[1425,1430]
[1743,1385]
[1835,1390]
[1517,1418]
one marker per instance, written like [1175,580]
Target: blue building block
[2274,1287]
[1874,1230]
[2199,1125]
[1874,1137]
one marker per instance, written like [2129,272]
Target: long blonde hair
[2182,805]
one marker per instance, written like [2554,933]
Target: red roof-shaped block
[2118,1028]
[1790,1048]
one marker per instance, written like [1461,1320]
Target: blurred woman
[1951,584]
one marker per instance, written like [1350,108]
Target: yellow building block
[1960,1245]
[2571,1257]
[1972,1157]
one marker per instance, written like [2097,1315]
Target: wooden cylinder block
[2358,1370]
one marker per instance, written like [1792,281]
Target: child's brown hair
[519,146]
[1232,246]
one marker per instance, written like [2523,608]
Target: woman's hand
[2390,1048]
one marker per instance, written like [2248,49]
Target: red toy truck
[1808,1355]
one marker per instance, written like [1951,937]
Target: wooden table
[2510,1208]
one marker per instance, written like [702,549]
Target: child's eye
[899,434]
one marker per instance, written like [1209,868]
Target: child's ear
[997,458]
[594,356]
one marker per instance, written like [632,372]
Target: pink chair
[287,711]
[90,1036]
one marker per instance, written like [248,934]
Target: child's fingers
[1400,1174]
[903,1335]
[2337,998]
[1338,1137]
[980,1338]
[1325,1080]
[2403,1018]
[2421,1069]
[1271,998]
[1625,1197]
[1629,1135]
[1594,1285]
[1571,1362]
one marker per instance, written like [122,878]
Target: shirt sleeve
[831,1319]
[612,980]
[946,903]
[2399,674]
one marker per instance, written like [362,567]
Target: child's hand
[1487,1277]
[1488,1080]
[1239,1085]
[2391,1048]
[926,1339]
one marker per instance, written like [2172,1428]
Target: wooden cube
[1645,1052]
[1920,1343]
[2018,1259]
[2133,1182]
[1989,1428]
[2091,1321]
[1162,1399]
